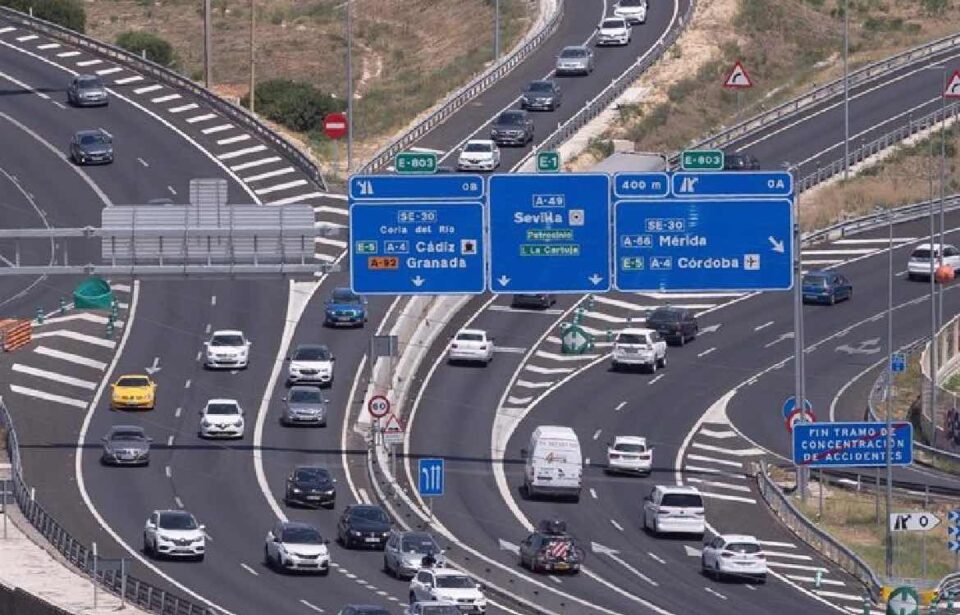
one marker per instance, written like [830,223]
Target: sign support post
[798,337]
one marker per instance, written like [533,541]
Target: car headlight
[206,422]
[356,532]
[296,490]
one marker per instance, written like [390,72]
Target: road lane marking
[655,379]
[215,129]
[719,485]
[79,337]
[527,384]
[182,108]
[725,462]
[255,163]
[148,88]
[548,370]
[250,570]
[236,139]
[620,406]
[169,440]
[54,376]
[186,384]
[720,435]
[167,471]
[89,62]
[596,434]
[243,152]
[70,357]
[593,493]
[201,118]
[60,399]
[737,452]
[301,198]
[109,71]
[314,607]
[68,54]
[143,162]
[127,80]
[706,352]
[176,413]
[283,171]
[715,593]
[166,98]
[656,557]
[614,523]
[763,326]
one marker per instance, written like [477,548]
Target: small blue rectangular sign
[752,184]
[706,245]
[416,248]
[840,445]
[416,187]
[431,477]
[549,233]
[641,185]
[898,362]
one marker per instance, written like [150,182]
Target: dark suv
[676,325]
[512,128]
[537,301]
[551,549]
[541,95]
[740,162]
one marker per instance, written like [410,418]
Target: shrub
[293,104]
[157,49]
[67,13]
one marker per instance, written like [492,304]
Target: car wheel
[325,572]
[663,361]
[716,571]
[653,366]
[413,597]
[387,568]
[146,546]
[833,298]
[266,557]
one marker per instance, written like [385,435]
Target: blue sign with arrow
[839,445]
[549,234]
[430,483]
[416,187]
[790,404]
[752,184]
[705,245]
[953,516]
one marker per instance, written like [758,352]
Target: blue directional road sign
[790,404]
[641,185]
[750,184]
[704,245]
[549,234]
[416,187]
[840,445]
[898,363]
[431,477]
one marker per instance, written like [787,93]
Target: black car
[551,549]
[541,96]
[539,301]
[740,162]
[309,486]
[363,525]
[87,91]
[676,325]
[512,128]
[91,147]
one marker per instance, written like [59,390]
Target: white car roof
[223,401]
[228,332]
[637,331]
[481,142]
[447,572]
[472,331]
[926,246]
[678,489]
[630,440]
[741,538]
[555,431]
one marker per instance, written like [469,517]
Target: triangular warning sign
[953,86]
[738,77]
[393,424]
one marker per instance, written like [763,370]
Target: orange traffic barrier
[15,333]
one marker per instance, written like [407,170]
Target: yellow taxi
[134,391]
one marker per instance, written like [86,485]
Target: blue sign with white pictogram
[641,185]
[431,477]
[790,404]
[752,184]
[953,530]
[839,445]
[549,234]
[953,516]
[416,187]
[704,245]
[898,362]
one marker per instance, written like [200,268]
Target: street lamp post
[846,90]
[253,56]
[496,31]
[349,26]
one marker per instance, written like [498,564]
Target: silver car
[126,445]
[87,91]
[575,60]
[304,405]
[405,551]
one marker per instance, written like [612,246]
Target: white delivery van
[554,464]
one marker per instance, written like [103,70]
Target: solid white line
[729,498]
[48,375]
[28,37]
[183,108]
[726,462]
[96,319]
[853,242]
[715,593]
[48,46]
[89,62]
[201,118]
[255,163]
[109,71]
[611,319]
[512,310]
[847,252]
[236,139]
[127,80]
[654,379]
[122,288]
[6,29]
[822,261]
[774,543]
[763,326]
[719,485]
[620,406]
[179,502]
[548,370]
[279,187]
[68,54]
[795,556]
[709,350]
[326,209]
[616,525]
[737,452]
[509,349]
[216,129]
[624,304]
[656,557]
[143,162]
[519,401]
[80,337]
[720,435]
[250,570]
[167,98]
[839,596]
[313,606]
[69,356]
[776,564]
[148,88]
[533,385]
[552,356]
[363,496]
[823,581]
[336,243]
[60,399]
[242,152]
[298,199]
[713,471]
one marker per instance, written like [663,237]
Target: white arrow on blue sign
[953,516]
[431,477]
[953,545]
[953,530]
[790,404]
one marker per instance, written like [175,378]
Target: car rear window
[477,147]
[573,53]
[227,340]
[370,514]
[133,382]
[345,296]
[469,337]
[454,582]
[90,82]
[664,316]
[127,435]
[613,23]
[510,117]
[921,253]
[630,448]
[302,536]
[541,86]
[743,547]
[814,280]
[682,500]
[631,338]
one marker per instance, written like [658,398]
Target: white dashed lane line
[148,88]
[183,108]
[614,523]
[250,570]
[656,557]
[312,607]
[167,98]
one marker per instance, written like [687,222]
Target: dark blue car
[826,287]
[345,308]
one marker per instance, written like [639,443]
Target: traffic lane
[137,137]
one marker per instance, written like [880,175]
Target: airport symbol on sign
[431,473]
[913,521]
[738,77]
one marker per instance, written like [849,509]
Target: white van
[554,464]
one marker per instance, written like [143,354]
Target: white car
[918,267]
[629,454]
[674,509]
[734,555]
[639,347]
[471,345]
[634,11]
[479,155]
[614,31]
[228,349]
[296,546]
[221,418]
[448,584]
[311,363]
[432,607]
[174,533]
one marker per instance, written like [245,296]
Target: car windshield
[312,353]
[511,117]
[91,82]
[419,543]
[440,609]
[573,53]
[632,2]
[92,139]
[631,338]
[613,23]
[742,547]
[814,280]
[227,340]
[312,475]
[223,409]
[370,514]
[306,396]
[682,500]
[177,521]
[137,381]
[477,147]
[922,254]
[301,536]
[624,447]
[541,86]
[128,436]
[345,295]
[455,581]
[664,316]
[469,337]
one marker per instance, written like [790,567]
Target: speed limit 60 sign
[378,406]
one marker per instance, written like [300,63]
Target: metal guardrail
[454,102]
[860,224]
[168,77]
[610,93]
[78,554]
[819,539]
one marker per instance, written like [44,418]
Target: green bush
[67,13]
[293,104]
[157,50]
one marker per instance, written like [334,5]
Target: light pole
[799,375]
[889,405]
[846,90]
[349,26]
[496,31]
[207,44]
[253,56]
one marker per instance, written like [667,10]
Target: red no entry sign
[335,125]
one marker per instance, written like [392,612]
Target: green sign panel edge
[429,168]
[717,166]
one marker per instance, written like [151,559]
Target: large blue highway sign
[549,233]
[416,187]
[823,445]
[719,245]
[752,184]
[416,248]
[430,483]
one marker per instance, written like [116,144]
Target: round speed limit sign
[378,406]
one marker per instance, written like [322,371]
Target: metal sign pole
[798,336]
[4,509]
[889,405]
[94,575]
[123,582]
[923,535]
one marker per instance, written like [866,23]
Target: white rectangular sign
[918,521]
